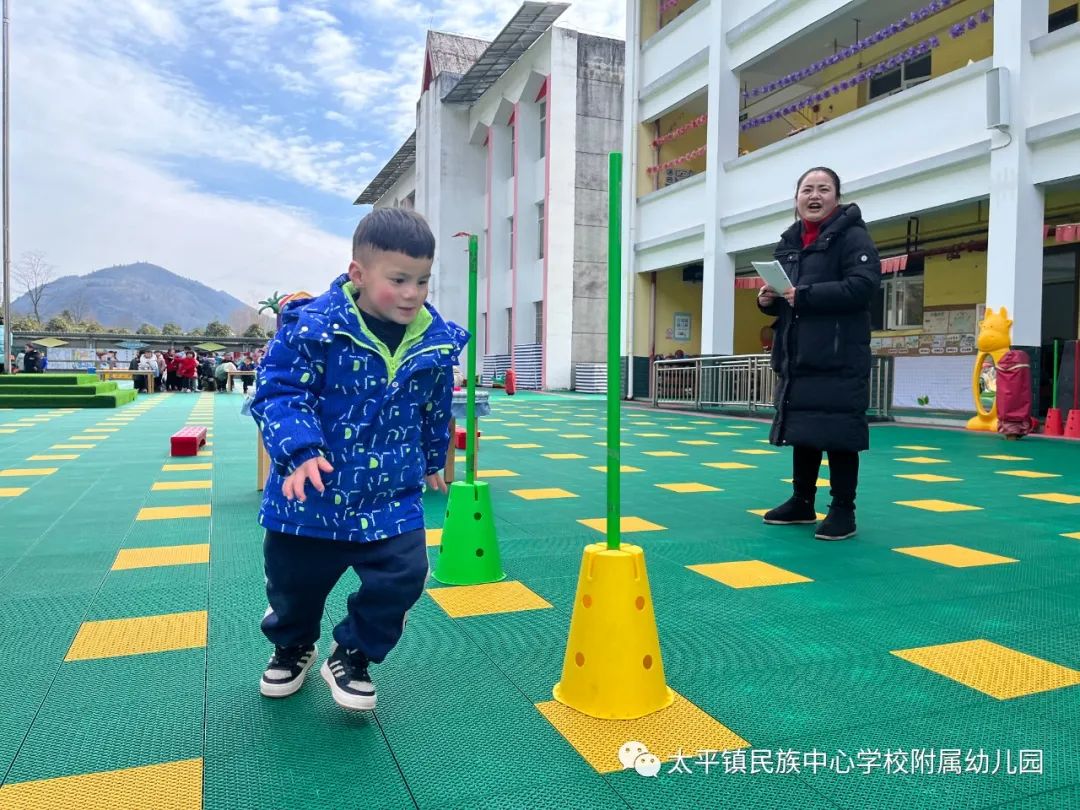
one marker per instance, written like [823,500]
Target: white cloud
[260,12]
[161,22]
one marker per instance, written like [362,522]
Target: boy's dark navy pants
[301,571]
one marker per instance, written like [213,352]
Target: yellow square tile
[821,482]
[992,669]
[146,634]
[27,472]
[922,460]
[554,419]
[550,493]
[573,435]
[722,433]
[1006,457]
[524,446]
[696,442]
[580,424]
[626,525]
[702,422]
[496,474]
[154,556]
[664,453]
[643,424]
[88,437]
[1027,474]
[916,447]
[101,430]
[652,435]
[928,478]
[932,505]
[12,492]
[955,556]
[434,537]
[486,438]
[562,456]
[757,452]
[689,487]
[748,574]
[7,431]
[72,446]
[205,453]
[168,786]
[763,512]
[682,726]
[1054,497]
[626,468]
[543,430]
[621,444]
[165,486]
[728,465]
[679,427]
[515,424]
[743,427]
[54,457]
[200,510]
[1072,535]
[188,467]
[483,600]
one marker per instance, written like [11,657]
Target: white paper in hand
[773,275]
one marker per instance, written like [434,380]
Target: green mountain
[128,295]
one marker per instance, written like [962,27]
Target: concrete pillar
[1015,252]
[718,287]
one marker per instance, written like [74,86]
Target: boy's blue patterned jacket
[327,386]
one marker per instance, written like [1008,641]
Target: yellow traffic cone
[612,669]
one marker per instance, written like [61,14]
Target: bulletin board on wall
[944,382]
[946,331]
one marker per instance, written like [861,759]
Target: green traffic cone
[469,553]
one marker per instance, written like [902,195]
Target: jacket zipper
[836,340]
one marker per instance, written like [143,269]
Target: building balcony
[672,213]
[670,47]
[672,148]
[876,51]
[658,15]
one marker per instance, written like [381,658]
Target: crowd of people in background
[187,371]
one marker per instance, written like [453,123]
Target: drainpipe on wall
[630,170]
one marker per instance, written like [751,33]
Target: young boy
[353,403]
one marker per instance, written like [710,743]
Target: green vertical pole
[470,401]
[614,436]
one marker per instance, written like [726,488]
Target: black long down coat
[822,346]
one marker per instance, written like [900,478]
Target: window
[907,75]
[543,128]
[513,148]
[509,330]
[903,302]
[1067,16]
[538,315]
[540,229]
[510,243]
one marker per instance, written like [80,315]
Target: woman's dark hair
[835,178]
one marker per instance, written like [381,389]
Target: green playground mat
[931,662]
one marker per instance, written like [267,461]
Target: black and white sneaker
[287,669]
[346,671]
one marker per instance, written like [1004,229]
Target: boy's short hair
[395,230]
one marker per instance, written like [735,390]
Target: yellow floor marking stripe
[128,558]
[748,574]
[992,669]
[165,786]
[174,512]
[682,726]
[111,638]
[483,600]
[165,486]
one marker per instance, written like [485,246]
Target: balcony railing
[745,383]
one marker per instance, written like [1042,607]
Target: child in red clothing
[189,370]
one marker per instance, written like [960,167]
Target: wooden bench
[188,440]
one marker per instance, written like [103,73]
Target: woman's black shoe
[792,512]
[839,524]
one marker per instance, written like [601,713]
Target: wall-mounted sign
[681,329]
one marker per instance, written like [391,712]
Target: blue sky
[222,139]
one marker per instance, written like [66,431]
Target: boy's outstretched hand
[436,482]
[308,471]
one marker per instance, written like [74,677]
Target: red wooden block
[188,440]
[459,437]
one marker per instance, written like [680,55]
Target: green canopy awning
[209,347]
[50,343]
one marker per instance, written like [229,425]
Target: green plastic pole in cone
[469,552]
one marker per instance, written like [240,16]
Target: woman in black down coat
[822,350]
